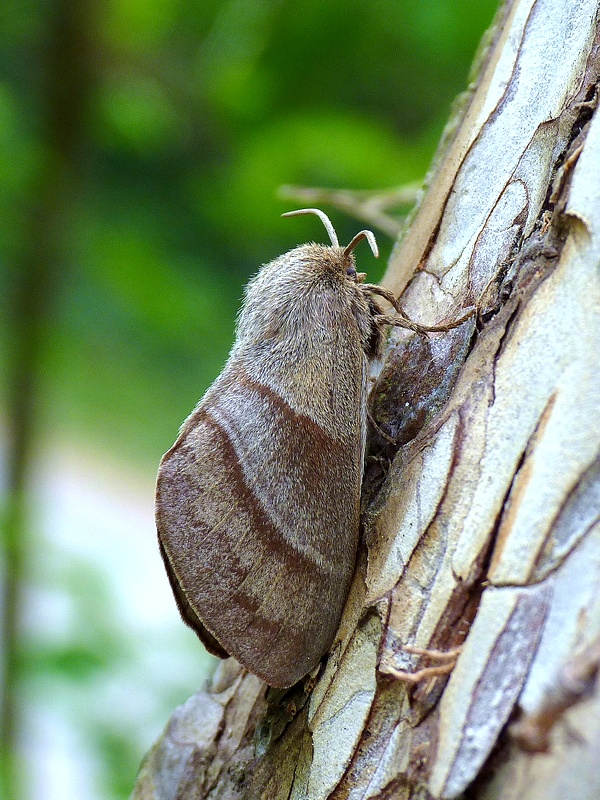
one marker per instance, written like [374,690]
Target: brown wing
[258,514]
[188,615]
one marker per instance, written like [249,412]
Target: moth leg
[435,655]
[373,288]
[403,320]
[421,674]
[447,659]
[380,430]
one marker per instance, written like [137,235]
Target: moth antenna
[324,219]
[369,236]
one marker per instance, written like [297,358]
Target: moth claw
[448,659]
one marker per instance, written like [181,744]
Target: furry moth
[257,502]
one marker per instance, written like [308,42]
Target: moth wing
[258,517]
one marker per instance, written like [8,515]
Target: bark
[482,490]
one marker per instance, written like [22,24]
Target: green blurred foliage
[198,112]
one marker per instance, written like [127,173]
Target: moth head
[345,253]
[290,291]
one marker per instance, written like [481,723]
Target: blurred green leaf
[138,115]
[72,663]
[118,754]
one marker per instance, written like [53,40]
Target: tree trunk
[482,487]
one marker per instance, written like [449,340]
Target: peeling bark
[481,501]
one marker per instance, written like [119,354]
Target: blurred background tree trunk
[64,66]
[482,498]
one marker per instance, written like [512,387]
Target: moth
[257,502]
